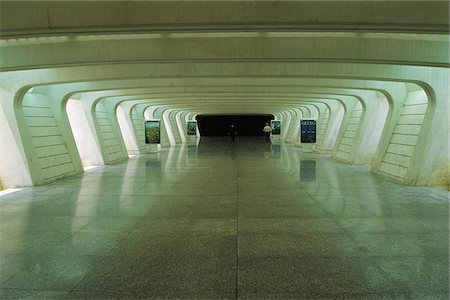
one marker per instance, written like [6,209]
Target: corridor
[245,220]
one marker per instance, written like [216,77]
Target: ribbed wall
[305,112]
[290,137]
[111,142]
[345,147]
[47,140]
[173,124]
[138,127]
[398,155]
[322,127]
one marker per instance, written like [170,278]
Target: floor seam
[237,231]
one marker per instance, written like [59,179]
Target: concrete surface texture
[374,75]
[223,220]
[100,213]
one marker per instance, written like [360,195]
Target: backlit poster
[152,132]
[192,127]
[308,131]
[276,126]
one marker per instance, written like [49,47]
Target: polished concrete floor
[225,220]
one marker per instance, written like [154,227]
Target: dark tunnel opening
[245,125]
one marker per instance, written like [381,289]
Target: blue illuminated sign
[308,131]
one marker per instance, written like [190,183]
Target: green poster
[152,132]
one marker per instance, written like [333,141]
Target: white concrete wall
[180,119]
[349,131]
[293,117]
[372,125]
[46,139]
[110,137]
[321,129]
[87,145]
[14,169]
[137,117]
[171,116]
[50,149]
[412,147]
[331,132]
[398,156]
[167,136]
[296,128]
[286,120]
[125,119]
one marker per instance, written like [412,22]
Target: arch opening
[246,125]
[87,145]
[126,129]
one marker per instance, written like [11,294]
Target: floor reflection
[174,224]
[276,151]
[153,169]
[307,171]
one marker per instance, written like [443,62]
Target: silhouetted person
[267,130]
[232,132]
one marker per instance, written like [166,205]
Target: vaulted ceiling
[221,56]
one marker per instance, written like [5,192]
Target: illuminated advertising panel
[152,132]
[192,127]
[308,131]
[276,127]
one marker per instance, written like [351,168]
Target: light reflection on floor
[225,220]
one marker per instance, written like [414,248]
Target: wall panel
[400,150]
[46,138]
[106,132]
[347,142]
[322,127]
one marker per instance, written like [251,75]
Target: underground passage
[245,125]
[224,150]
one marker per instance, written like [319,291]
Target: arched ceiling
[221,56]
[65,17]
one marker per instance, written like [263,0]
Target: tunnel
[245,125]
[119,179]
